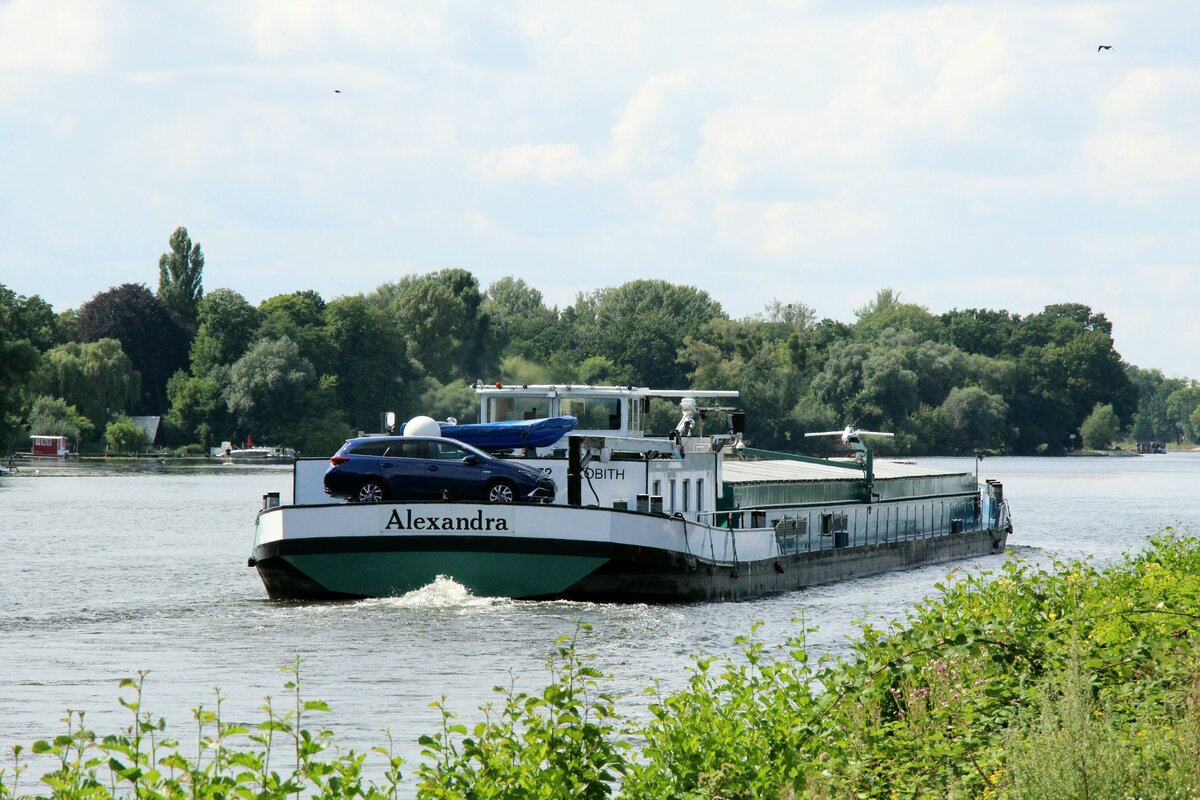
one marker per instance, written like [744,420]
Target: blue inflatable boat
[511,434]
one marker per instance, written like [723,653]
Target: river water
[108,570]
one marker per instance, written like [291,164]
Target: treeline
[303,371]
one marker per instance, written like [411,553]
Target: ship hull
[572,553]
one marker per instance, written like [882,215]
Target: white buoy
[422,426]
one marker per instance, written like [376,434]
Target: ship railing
[718,543]
[834,528]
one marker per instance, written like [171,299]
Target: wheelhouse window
[593,413]
[687,491]
[503,409]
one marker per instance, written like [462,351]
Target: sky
[964,154]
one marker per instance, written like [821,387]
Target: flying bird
[1104,47]
[339,91]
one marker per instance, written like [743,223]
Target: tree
[1058,324]
[150,333]
[124,437]
[1065,365]
[889,390]
[840,380]
[227,326]
[374,372]
[1101,427]
[975,418]
[300,316]
[600,371]
[640,326]
[441,316]
[198,411]
[268,387]
[979,330]
[517,312]
[29,318]
[321,427]
[793,315]
[18,360]
[1181,405]
[454,399]
[886,311]
[180,276]
[97,378]
[51,416]
[1152,422]
[769,362]
[516,369]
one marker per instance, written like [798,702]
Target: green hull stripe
[387,574]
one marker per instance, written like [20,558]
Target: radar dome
[422,426]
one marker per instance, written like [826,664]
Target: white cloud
[792,229]
[547,163]
[647,140]
[1147,137]
[1147,98]
[311,29]
[1134,168]
[653,132]
[56,36]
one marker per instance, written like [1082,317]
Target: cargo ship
[690,516]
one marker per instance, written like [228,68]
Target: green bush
[124,437]
[1101,427]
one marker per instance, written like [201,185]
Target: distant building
[49,446]
[151,427]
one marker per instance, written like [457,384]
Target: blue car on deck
[374,469]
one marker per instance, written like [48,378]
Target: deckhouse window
[593,413]
[502,409]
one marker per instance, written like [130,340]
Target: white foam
[443,592]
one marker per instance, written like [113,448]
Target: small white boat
[254,455]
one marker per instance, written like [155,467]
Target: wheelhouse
[600,410]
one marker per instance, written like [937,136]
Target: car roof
[359,439]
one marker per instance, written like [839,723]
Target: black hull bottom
[284,581]
[674,580]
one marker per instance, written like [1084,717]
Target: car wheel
[371,491]
[501,492]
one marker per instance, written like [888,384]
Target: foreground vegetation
[1034,682]
[304,371]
